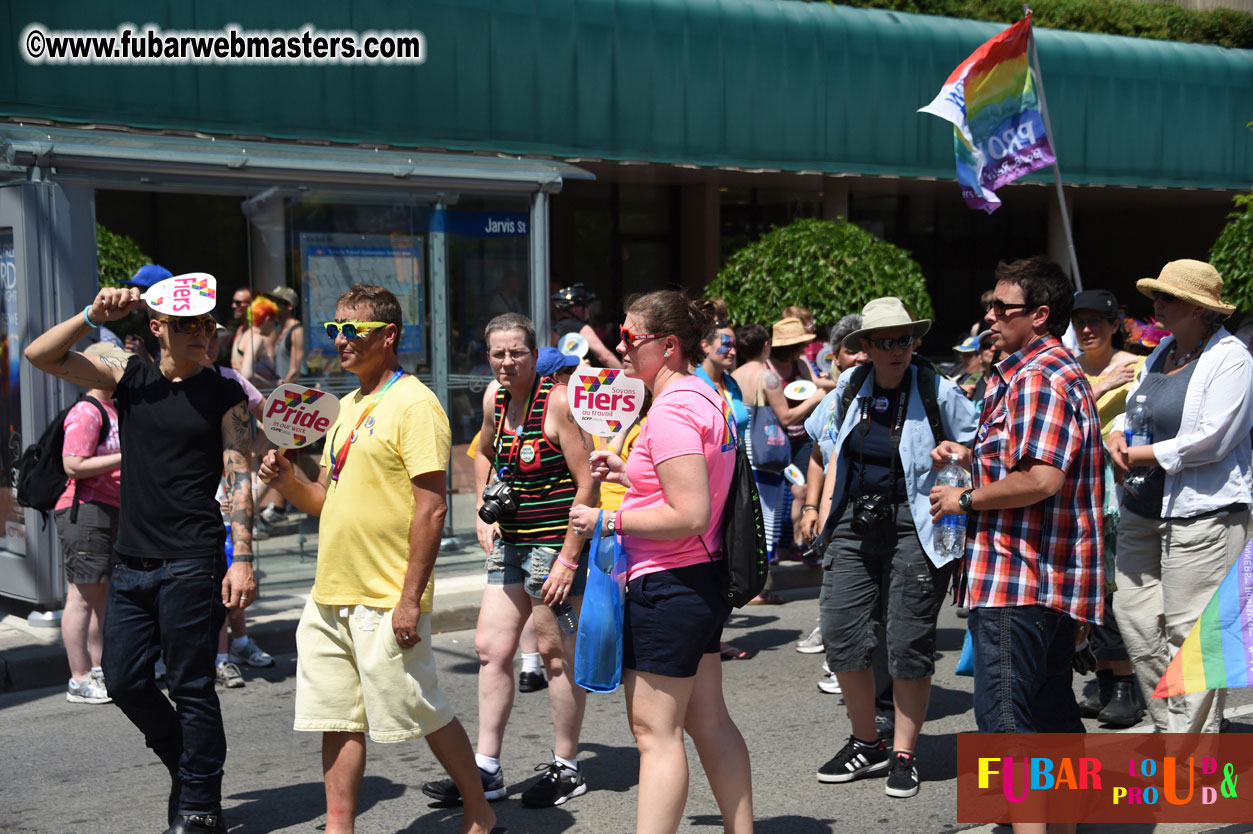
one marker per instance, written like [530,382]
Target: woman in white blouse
[1185,514]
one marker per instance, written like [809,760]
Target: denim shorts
[674,618]
[883,579]
[529,566]
[1023,678]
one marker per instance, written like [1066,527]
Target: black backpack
[41,474]
[928,382]
[744,564]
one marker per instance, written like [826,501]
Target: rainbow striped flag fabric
[1218,652]
[998,132]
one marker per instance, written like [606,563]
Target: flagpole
[1057,171]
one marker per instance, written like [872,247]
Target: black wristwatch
[965,500]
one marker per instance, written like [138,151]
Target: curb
[37,665]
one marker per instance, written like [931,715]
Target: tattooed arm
[51,352]
[239,587]
[576,447]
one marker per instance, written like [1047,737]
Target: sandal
[767,598]
[730,652]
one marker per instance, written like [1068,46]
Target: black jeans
[174,606]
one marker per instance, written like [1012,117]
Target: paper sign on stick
[295,416]
[604,400]
[826,358]
[574,344]
[193,294]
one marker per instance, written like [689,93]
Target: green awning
[745,83]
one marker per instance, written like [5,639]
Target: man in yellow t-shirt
[365,660]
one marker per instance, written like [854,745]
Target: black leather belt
[136,563]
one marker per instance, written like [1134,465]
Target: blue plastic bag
[598,650]
[966,663]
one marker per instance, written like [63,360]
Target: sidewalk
[33,657]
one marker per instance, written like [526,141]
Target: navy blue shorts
[673,618]
[1023,677]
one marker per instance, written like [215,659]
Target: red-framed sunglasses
[632,339]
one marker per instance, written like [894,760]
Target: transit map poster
[331,263]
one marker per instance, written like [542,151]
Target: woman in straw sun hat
[1185,523]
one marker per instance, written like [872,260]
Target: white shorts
[353,677]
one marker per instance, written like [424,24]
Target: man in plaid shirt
[1033,567]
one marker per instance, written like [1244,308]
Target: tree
[117,257]
[1232,254]
[833,268]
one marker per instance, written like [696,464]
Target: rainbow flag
[998,132]
[1218,652]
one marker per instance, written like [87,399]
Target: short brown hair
[1043,284]
[671,313]
[511,321]
[383,305]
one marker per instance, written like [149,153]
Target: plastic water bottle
[230,545]
[1139,432]
[564,613]
[950,531]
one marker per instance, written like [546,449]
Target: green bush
[831,268]
[1158,21]
[117,257]
[1232,254]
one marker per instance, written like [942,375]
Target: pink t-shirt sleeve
[82,431]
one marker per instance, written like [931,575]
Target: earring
[666,355]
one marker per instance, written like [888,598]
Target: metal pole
[1057,171]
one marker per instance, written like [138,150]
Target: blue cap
[148,275]
[552,360]
[969,345]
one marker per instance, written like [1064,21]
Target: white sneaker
[87,691]
[228,675]
[811,644]
[260,530]
[273,515]
[250,654]
[830,685]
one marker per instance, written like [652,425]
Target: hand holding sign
[193,294]
[295,416]
[604,401]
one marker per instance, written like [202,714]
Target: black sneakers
[855,759]
[445,790]
[532,681]
[558,784]
[198,824]
[902,776]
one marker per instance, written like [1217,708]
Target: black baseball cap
[1102,301]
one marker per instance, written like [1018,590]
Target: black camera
[871,513]
[499,501]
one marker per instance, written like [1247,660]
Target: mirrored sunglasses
[189,325]
[352,329]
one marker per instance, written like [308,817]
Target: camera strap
[517,435]
[894,435]
[342,457]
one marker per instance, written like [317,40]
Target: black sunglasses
[1000,308]
[1164,297]
[901,342]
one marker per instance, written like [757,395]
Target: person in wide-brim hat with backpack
[880,565]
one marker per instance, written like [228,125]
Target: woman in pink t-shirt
[86,533]
[677,480]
